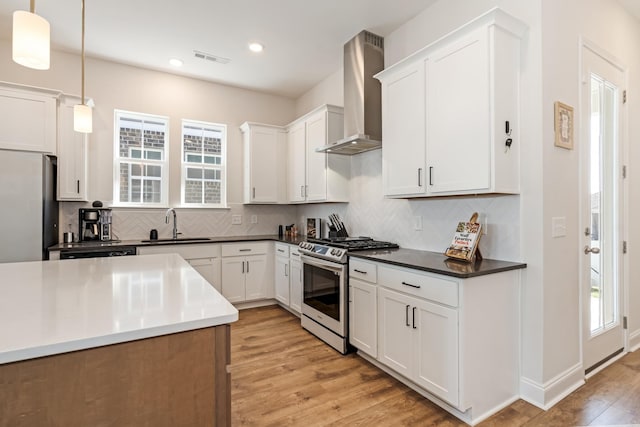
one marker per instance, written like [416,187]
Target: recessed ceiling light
[175,62]
[256,47]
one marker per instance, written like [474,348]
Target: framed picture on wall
[563,125]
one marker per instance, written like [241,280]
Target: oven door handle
[327,265]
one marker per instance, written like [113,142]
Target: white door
[601,209]
[264,155]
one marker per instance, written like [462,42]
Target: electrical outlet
[254,219]
[485,224]
[236,219]
[417,223]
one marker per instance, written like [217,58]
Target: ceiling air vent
[209,57]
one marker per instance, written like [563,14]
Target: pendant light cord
[82,80]
[33,6]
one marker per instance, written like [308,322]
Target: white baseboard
[634,340]
[254,304]
[546,395]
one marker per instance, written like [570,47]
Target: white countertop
[51,307]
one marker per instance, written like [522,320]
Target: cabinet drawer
[198,262]
[241,249]
[282,249]
[294,252]
[185,251]
[422,285]
[363,270]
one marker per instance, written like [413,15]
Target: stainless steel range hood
[363,58]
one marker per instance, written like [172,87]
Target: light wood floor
[283,376]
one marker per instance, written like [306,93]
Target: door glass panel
[603,280]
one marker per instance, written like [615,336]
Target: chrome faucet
[175,221]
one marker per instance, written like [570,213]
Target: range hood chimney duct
[363,58]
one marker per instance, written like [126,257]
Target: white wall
[112,86]
[519,226]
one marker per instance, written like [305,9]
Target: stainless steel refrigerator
[28,206]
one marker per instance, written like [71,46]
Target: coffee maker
[94,225]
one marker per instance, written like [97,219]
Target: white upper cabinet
[445,113]
[264,163]
[313,176]
[28,119]
[72,154]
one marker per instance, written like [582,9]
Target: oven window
[322,290]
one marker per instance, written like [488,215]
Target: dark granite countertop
[435,262]
[432,262]
[138,243]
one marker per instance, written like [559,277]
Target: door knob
[588,250]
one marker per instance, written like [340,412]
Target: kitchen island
[113,341]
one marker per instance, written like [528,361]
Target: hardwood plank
[284,376]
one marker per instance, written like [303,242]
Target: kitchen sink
[179,239]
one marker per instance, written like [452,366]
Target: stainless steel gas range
[325,286]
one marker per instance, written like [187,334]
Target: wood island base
[180,379]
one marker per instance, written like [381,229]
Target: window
[203,164]
[141,147]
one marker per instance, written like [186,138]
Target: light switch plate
[236,219]
[558,226]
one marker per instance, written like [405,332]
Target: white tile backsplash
[367,214]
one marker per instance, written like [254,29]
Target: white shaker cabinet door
[282,280]
[233,278]
[257,282]
[395,332]
[436,364]
[295,282]
[458,102]
[363,317]
[316,174]
[403,132]
[296,163]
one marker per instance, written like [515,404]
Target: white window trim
[164,192]
[222,167]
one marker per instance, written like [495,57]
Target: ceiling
[303,39]
[633,6]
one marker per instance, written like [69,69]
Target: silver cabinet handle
[244,250]
[286,273]
[359,271]
[302,191]
[406,315]
[254,192]
[430,175]
[242,267]
[419,177]
[247,266]
[588,250]
[78,186]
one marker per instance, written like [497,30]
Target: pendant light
[82,114]
[31,41]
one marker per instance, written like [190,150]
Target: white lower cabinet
[204,258]
[455,340]
[288,276]
[245,272]
[295,280]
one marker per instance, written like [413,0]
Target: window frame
[221,166]
[164,164]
